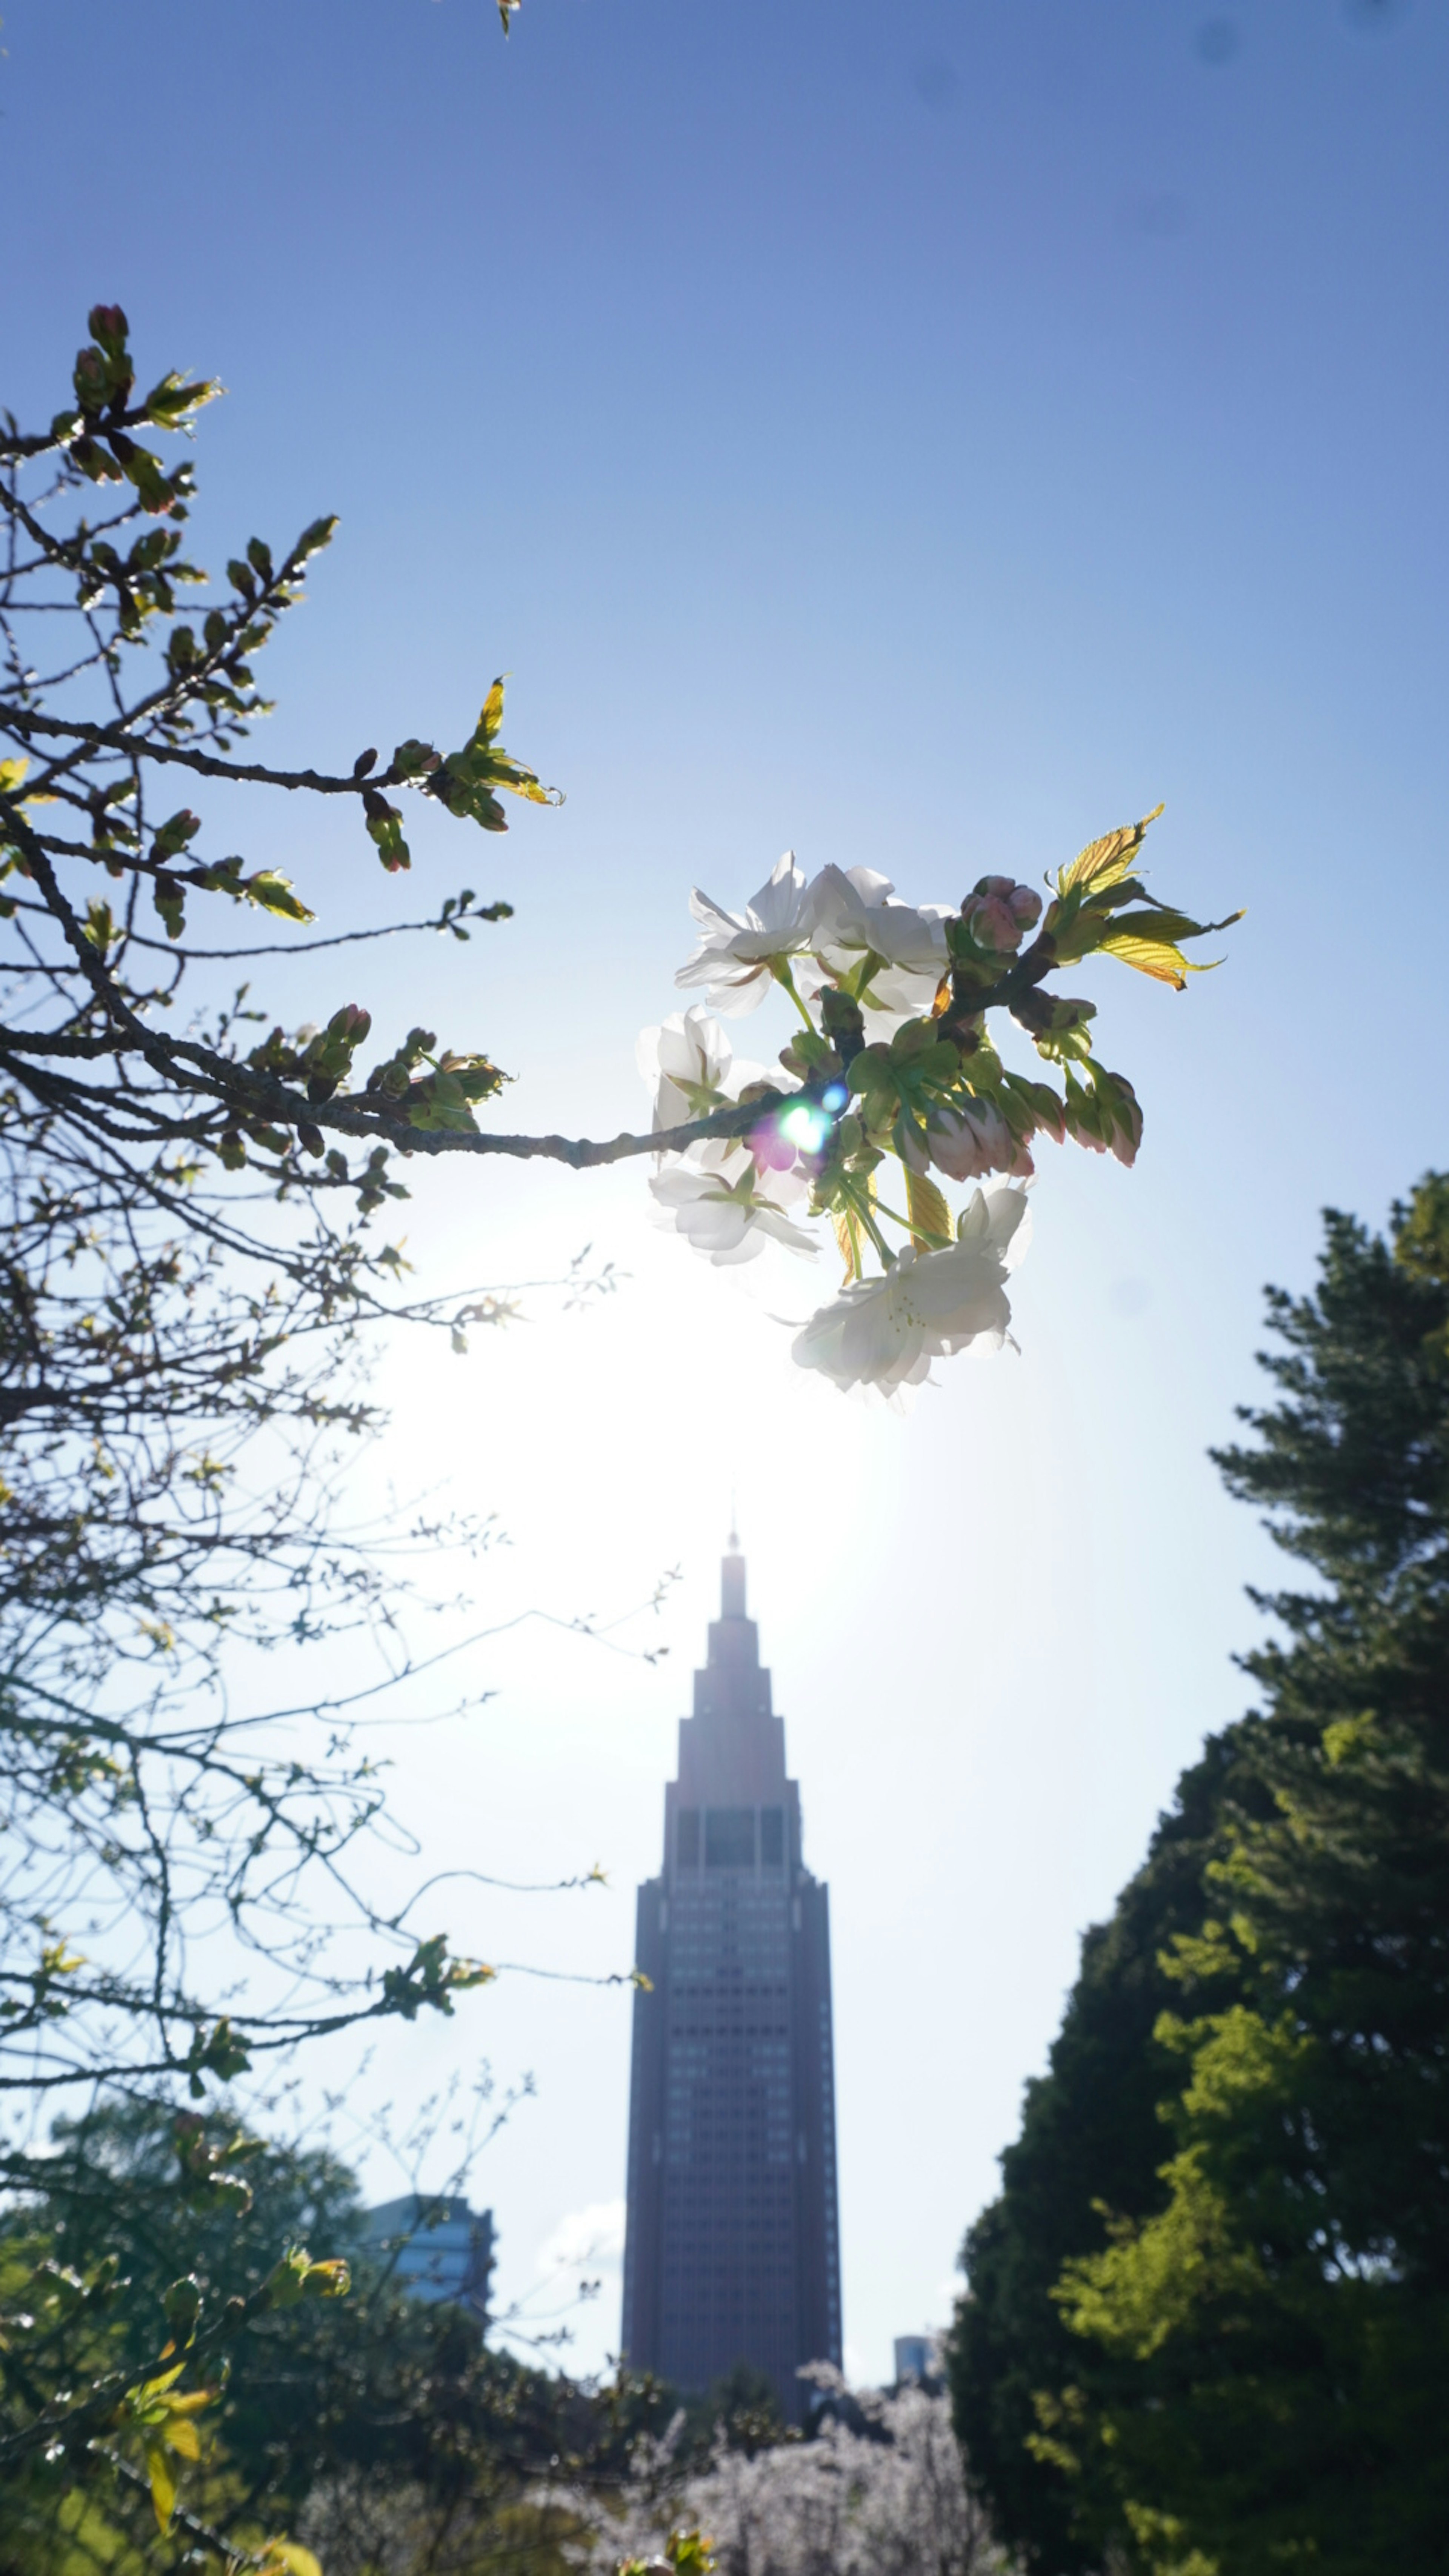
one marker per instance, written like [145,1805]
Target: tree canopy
[1208,2319]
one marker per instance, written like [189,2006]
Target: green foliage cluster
[1207,2323]
[326,2403]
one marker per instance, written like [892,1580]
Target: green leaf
[930,1217]
[174,399]
[1160,921]
[1102,862]
[162,2481]
[1155,957]
[314,538]
[466,779]
[287,2558]
[491,719]
[1147,940]
[182,2304]
[274,894]
[222,2055]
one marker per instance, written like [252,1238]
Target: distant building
[439,2248]
[732,2251]
[917,2357]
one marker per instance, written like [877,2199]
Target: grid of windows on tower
[732,2252]
[730,1838]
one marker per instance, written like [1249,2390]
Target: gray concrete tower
[732,2252]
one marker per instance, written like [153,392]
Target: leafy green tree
[1090,2143]
[1256,2363]
[384,2407]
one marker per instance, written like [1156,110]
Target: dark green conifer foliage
[1238,2358]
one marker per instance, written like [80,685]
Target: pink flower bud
[966,1144]
[998,910]
[1051,1116]
[991,922]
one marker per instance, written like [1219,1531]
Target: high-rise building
[436,2247]
[732,2252]
[918,2356]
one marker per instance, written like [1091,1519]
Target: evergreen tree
[1242,2361]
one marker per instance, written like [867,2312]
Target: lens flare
[805,1126]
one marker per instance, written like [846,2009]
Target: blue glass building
[437,2248]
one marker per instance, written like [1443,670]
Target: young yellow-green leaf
[492,715]
[690,2553]
[466,778]
[152,2390]
[287,2558]
[1102,862]
[273,893]
[466,1973]
[1160,921]
[930,1217]
[162,2482]
[329,2280]
[11,774]
[1156,957]
[174,400]
[847,1235]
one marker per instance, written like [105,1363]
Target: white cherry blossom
[857,913]
[726,1218]
[693,1068]
[736,954]
[885,1332]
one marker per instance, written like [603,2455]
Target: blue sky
[923,438]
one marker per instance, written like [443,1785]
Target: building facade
[732,2252]
[436,2247]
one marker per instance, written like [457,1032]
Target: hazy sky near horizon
[924,438]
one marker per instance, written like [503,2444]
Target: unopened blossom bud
[997,911]
[843,1022]
[992,923]
[968,1143]
[1126,1120]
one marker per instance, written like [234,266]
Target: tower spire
[732,1581]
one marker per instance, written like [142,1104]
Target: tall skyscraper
[732,2251]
